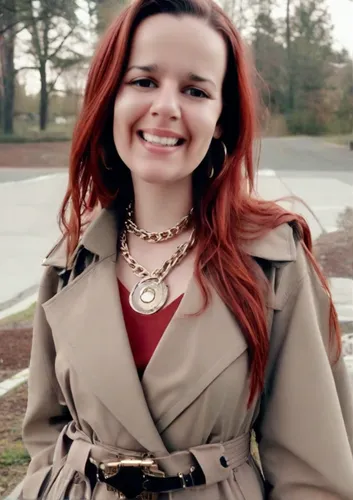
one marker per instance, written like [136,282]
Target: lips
[165,139]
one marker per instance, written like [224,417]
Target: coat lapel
[86,316]
[193,351]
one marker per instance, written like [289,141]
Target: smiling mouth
[161,141]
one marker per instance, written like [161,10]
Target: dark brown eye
[194,92]
[144,82]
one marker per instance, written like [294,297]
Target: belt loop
[78,455]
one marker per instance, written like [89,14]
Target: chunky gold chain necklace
[150,294]
[156,237]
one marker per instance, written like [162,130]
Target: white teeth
[163,141]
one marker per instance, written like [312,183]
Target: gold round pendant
[148,296]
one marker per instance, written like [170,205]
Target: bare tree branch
[34,68]
[52,85]
[57,50]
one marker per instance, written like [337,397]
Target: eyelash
[148,80]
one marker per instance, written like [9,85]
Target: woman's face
[170,100]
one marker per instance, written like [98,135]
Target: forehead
[184,43]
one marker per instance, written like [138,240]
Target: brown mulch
[41,154]
[334,251]
[15,349]
[5,374]
[13,457]
[335,254]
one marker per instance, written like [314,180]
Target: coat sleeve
[306,424]
[45,416]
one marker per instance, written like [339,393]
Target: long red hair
[225,208]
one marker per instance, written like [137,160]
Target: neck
[160,207]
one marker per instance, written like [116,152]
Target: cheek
[206,122]
[127,111]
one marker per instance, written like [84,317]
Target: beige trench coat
[194,392]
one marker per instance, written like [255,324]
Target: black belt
[134,478]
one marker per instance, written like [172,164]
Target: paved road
[308,157]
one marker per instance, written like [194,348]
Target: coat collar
[100,237]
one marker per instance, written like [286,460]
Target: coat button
[223,462]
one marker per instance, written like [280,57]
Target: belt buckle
[110,469]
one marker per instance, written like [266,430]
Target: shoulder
[277,245]
[57,255]
[284,248]
[98,236]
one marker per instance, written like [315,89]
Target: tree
[53,27]
[290,75]
[14,18]
[344,89]
[309,56]
[240,12]
[104,12]
[269,54]
[8,22]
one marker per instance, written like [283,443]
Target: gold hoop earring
[104,163]
[225,152]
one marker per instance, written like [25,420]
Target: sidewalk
[327,198]
[28,229]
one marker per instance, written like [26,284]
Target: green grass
[28,132]
[14,455]
[341,140]
[23,316]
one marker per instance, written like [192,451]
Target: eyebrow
[191,76]
[200,79]
[149,69]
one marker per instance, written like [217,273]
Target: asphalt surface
[304,156]
[307,157]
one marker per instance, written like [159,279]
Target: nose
[166,103]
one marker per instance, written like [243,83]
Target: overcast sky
[342,17]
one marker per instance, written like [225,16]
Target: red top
[145,331]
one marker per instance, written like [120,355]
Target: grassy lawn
[18,319]
[29,132]
[14,458]
[341,140]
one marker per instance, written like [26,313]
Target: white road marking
[32,179]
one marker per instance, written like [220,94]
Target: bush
[305,122]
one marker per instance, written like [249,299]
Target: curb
[13,382]
[20,305]
[43,176]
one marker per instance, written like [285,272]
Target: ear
[218,132]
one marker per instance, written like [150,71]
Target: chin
[157,176]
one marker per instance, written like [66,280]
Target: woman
[147,384]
